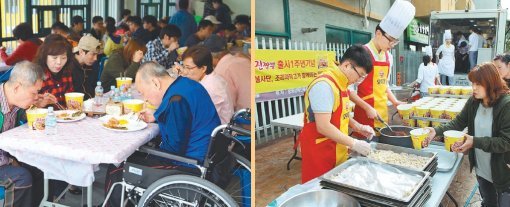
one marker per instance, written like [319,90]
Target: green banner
[418,32]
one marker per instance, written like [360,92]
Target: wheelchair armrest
[163,154]
[240,130]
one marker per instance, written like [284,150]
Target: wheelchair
[224,179]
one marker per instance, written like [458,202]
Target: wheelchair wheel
[185,191]
[239,186]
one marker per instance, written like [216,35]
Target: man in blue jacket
[185,21]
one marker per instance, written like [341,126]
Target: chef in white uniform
[447,62]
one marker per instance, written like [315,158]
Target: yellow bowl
[181,50]
[36,118]
[422,123]
[74,100]
[437,112]
[417,136]
[422,111]
[452,136]
[132,105]
[126,81]
[451,113]
[433,89]
[409,122]
[405,110]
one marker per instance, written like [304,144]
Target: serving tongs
[381,120]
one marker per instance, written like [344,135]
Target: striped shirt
[9,121]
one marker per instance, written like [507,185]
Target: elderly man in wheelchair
[193,164]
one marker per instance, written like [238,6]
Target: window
[171,8]
[346,36]
[150,7]
[272,20]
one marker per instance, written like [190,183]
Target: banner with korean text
[277,70]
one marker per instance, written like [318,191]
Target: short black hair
[23,31]
[170,30]
[110,25]
[358,56]
[242,19]
[135,20]
[505,58]
[97,19]
[76,20]
[151,20]
[230,27]
[201,56]
[60,26]
[426,60]
[125,12]
[183,4]
[217,1]
[204,24]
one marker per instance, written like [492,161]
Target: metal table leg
[46,203]
[294,156]
[453,199]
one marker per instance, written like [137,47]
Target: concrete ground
[273,178]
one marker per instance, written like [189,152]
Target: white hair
[151,69]
[26,72]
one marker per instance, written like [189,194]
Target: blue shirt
[186,23]
[186,119]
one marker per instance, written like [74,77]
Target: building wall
[309,14]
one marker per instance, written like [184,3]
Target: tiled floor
[272,177]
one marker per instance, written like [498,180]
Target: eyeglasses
[392,42]
[189,68]
[360,76]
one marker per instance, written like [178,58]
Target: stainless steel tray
[446,160]
[398,149]
[327,177]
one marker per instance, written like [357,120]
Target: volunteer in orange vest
[373,92]
[324,138]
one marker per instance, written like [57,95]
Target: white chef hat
[428,50]
[448,34]
[398,17]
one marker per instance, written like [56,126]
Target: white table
[294,122]
[74,153]
[439,184]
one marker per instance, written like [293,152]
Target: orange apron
[373,91]
[321,154]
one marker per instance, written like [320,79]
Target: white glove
[366,131]
[361,147]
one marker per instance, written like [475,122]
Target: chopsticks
[59,106]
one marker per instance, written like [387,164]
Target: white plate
[73,119]
[132,125]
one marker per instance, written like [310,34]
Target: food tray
[327,178]
[397,149]
[446,160]
[374,200]
[431,119]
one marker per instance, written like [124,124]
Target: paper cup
[444,90]
[467,90]
[181,50]
[456,90]
[436,124]
[422,123]
[452,136]
[437,112]
[74,101]
[36,118]
[125,81]
[133,105]
[422,111]
[405,110]
[433,89]
[417,136]
[451,113]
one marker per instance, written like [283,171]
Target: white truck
[491,22]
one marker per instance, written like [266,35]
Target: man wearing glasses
[373,92]
[324,139]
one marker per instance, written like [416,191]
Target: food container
[467,90]
[321,197]
[433,89]
[444,90]
[132,105]
[405,110]
[417,137]
[422,111]
[455,90]
[436,123]
[394,138]
[452,112]
[36,118]
[124,81]
[409,122]
[181,50]
[437,112]
[452,136]
[74,101]
[422,123]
